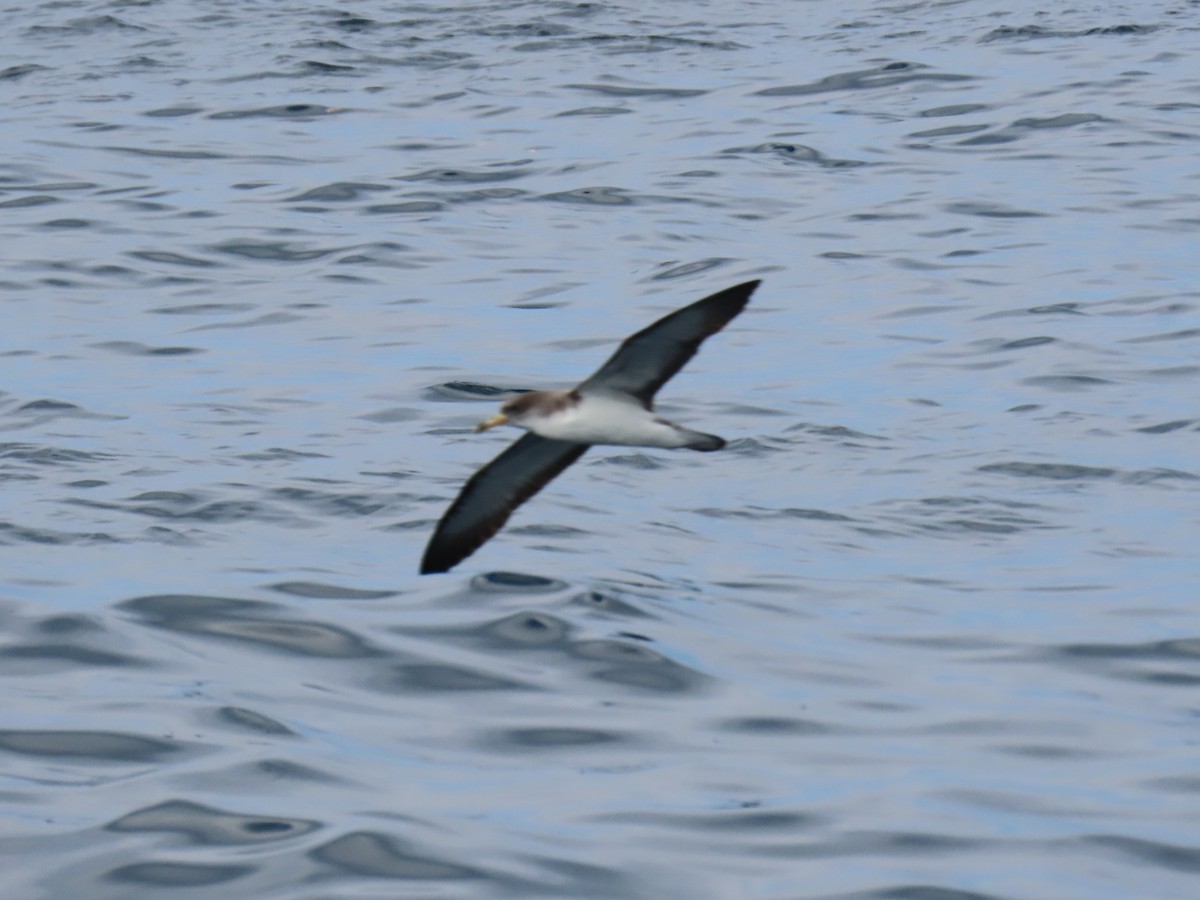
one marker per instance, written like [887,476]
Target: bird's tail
[698,440]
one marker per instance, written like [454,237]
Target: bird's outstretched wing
[491,496]
[645,361]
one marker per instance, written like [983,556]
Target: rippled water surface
[928,629]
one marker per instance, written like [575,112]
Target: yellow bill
[497,419]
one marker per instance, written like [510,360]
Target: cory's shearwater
[613,406]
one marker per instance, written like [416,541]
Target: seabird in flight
[613,406]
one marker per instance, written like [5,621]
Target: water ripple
[926,630]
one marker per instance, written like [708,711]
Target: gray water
[928,629]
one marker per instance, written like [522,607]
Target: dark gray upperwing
[644,362]
[491,496]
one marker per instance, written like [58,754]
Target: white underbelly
[603,421]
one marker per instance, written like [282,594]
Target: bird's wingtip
[434,566]
[738,294]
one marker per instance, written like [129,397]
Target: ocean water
[927,629]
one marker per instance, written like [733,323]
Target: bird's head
[519,410]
